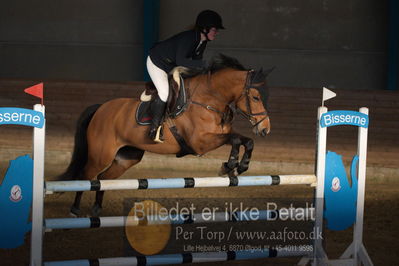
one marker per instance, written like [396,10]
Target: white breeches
[159,78]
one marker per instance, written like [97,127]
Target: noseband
[248,114]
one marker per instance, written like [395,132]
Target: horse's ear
[258,76]
[260,71]
[267,72]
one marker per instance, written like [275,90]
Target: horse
[108,139]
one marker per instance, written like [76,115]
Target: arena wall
[317,43]
[290,145]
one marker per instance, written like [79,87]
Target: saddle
[176,104]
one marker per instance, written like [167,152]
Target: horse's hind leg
[75,208]
[125,158]
[91,171]
[93,167]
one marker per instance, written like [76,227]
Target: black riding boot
[158,110]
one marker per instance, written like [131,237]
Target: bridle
[248,114]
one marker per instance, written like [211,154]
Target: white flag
[327,94]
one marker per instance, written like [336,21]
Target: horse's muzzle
[263,128]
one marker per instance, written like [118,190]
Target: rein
[224,115]
[248,115]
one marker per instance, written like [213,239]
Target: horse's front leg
[230,166]
[246,157]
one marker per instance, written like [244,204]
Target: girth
[185,149]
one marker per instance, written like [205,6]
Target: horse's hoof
[221,173]
[241,170]
[224,170]
[95,211]
[75,212]
[232,173]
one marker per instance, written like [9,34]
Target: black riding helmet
[207,19]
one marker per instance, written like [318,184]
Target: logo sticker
[335,184]
[16,193]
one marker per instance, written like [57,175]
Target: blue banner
[340,197]
[21,116]
[342,117]
[16,201]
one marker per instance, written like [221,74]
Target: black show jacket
[179,50]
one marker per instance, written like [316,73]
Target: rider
[184,49]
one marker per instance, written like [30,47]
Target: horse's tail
[80,151]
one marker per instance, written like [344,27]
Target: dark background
[314,43]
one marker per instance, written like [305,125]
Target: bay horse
[108,140]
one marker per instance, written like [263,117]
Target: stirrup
[159,136]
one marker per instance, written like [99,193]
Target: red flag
[36,90]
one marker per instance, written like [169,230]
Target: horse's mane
[222,61]
[218,62]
